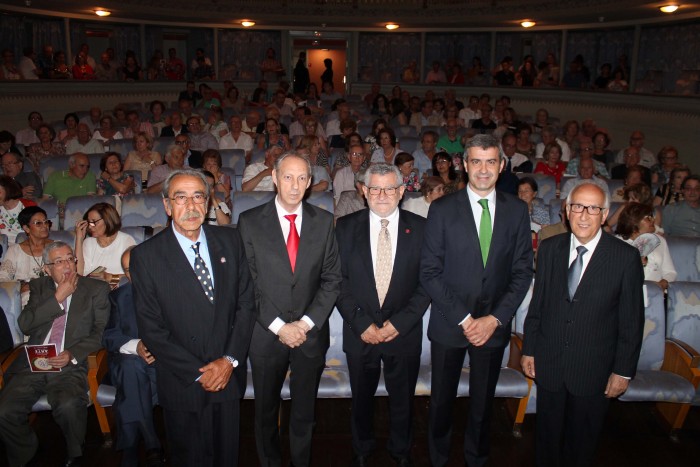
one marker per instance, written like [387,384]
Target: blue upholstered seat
[11,303]
[50,205]
[546,186]
[403,131]
[4,244]
[233,159]
[143,210]
[683,317]
[51,165]
[408,143]
[242,201]
[685,253]
[321,199]
[77,206]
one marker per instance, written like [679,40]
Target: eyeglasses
[182,142]
[587,148]
[357,154]
[193,124]
[376,191]
[197,198]
[63,261]
[93,223]
[41,223]
[579,208]
[7,165]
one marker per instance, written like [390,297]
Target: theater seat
[11,303]
[50,205]
[143,210]
[242,201]
[77,206]
[546,186]
[233,159]
[408,143]
[51,165]
[685,253]
[683,323]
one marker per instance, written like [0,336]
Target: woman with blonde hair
[143,157]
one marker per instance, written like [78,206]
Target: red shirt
[557,172]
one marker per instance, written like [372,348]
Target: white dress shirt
[375,225]
[590,246]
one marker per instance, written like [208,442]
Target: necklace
[40,263]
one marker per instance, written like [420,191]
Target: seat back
[51,165]
[242,201]
[50,205]
[685,253]
[77,206]
[654,340]
[322,199]
[94,160]
[143,210]
[403,131]
[161,144]
[546,186]
[683,315]
[408,143]
[136,175]
[139,234]
[233,159]
[11,304]
[122,146]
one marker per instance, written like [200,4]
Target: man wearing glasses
[78,180]
[195,311]
[174,160]
[583,331]
[200,140]
[477,267]
[70,312]
[345,178]
[13,166]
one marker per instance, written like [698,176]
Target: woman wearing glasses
[99,255]
[11,204]
[23,261]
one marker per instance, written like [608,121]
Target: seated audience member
[670,192]
[203,72]
[436,75]
[646,157]
[78,180]
[549,136]
[119,114]
[158,120]
[131,71]
[71,121]
[29,135]
[218,212]
[258,175]
[347,127]
[211,162]
[485,124]
[444,168]
[279,101]
[271,112]
[431,189]
[192,158]
[539,213]
[638,219]
[133,375]
[296,128]
[113,180]
[272,136]
[143,157]
[504,74]
[351,201]
[668,160]
[388,147]
[571,136]
[208,101]
[586,153]
[409,176]
[515,161]
[636,193]
[344,179]
[215,124]
[372,140]
[541,122]
[92,120]
[310,125]
[232,100]
[58,301]
[353,140]
[631,160]
[425,117]
[136,126]
[7,143]
[552,164]
[423,156]
[84,142]
[236,138]
[107,133]
[23,261]
[683,217]
[586,172]
[13,167]
[251,122]
[174,160]
[176,127]
[634,176]
[259,98]
[328,93]
[450,142]
[523,144]
[310,147]
[11,204]
[342,113]
[381,107]
[105,71]
[601,153]
[45,148]
[190,93]
[99,254]
[470,112]
[554,229]
[60,70]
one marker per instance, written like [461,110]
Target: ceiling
[366,14]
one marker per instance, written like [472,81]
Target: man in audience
[347,127]
[470,112]
[631,155]
[423,156]
[373,93]
[60,301]
[78,180]
[45,61]
[296,128]
[174,67]
[450,142]
[345,178]
[550,136]
[85,50]
[13,166]
[515,162]
[258,175]
[646,157]
[27,67]
[186,107]
[174,160]
[236,138]
[104,71]
[190,93]
[193,158]
[586,174]
[279,102]
[333,126]
[84,142]
[383,312]
[683,218]
[132,372]
[451,99]
[251,122]
[136,125]
[435,75]
[200,140]
[93,119]
[583,331]
[425,117]
[586,153]
[176,127]
[28,136]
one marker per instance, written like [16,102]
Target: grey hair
[71,159]
[189,173]
[606,201]
[382,169]
[483,142]
[172,148]
[52,246]
[289,154]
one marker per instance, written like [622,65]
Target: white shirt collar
[474,197]
[392,218]
[281,212]
[590,246]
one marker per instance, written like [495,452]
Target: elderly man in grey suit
[293,257]
[71,312]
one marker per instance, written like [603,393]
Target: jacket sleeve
[327,294]
[630,319]
[239,340]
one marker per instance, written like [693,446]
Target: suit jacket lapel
[75,310]
[216,255]
[400,260]
[597,262]
[306,237]
[274,238]
[472,234]
[363,245]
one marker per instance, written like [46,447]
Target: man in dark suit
[133,374]
[382,303]
[194,309]
[192,158]
[71,312]
[176,127]
[294,263]
[477,267]
[583,331]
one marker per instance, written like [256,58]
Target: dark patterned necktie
[202,272]
[575,271]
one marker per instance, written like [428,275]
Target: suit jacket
[310,290]
[168,131]
[122,326]
[577,344]
[181,327]
[453,272]
[405,301]
[87,316]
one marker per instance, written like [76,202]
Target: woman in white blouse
[432,189]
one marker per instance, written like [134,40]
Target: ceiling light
[527,23]
[391,26]
[101,12]
[247,23]
[669,8]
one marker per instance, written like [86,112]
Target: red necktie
[292,240]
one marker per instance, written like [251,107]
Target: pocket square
[223,260]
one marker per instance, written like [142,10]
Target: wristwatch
[231,360]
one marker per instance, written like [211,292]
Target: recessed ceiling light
[669,8]
[391,26]
[527,23]
[247,23]
[102,12]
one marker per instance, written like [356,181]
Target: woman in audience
[404,161]
[11,204]
[113,180]
[320,170]
[106,133]
[232,100]
[636,193]
[310,124]
[71,131]
[143,157]
[45,148]
[634,176]
[219,212]
[211,162]
[7,143]
[443,168]
[157,120]
[131,71]
[23,261]
[571,136]
[272,136]
[539,214]
[99,254]
[523,144]
[670,192]
[638,219]
[259,98]
[60,70]
[667,161]
[120,120]
[432,189]
[618,83]
[388,149]
[313,97]
[81,69]
[526,76]
[541,121]
[380,107]
[552,164]
[601,153]
[371,142]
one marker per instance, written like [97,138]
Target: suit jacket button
[193,338]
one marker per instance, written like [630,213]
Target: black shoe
[154,458]
[74,461]
[402,461]
[360,461]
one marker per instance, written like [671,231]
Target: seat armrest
[97,369]
[516,351]
[694,356]
[7,359]
[677,360]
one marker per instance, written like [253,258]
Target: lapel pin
[223,260]
[408,231]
